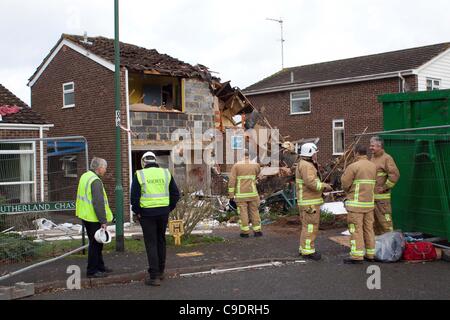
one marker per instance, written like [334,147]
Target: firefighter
[309,195]
[242,187]
[358,181]
[387,177]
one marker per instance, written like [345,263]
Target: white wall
[439,69]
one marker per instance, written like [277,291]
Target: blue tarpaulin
[60,148]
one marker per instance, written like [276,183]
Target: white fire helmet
[148,157]
[308,149]
[102,236]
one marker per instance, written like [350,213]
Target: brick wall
[356,103]
[20,134]
[93,115]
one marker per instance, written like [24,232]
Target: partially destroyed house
[74,89]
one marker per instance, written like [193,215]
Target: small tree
[192,209]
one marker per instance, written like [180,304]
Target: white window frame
[338,128]
[68,91]
[433,87]
[309,98]
[31,151]
[66,160]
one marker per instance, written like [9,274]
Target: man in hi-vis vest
[154,194]
[92,208]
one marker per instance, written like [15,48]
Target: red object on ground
[419,251]
[6,110]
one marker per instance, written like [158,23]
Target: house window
[338,137]
[300,102]
[69,166]
[17,167]
[68,95]
[433,84]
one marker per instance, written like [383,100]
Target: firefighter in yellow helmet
[154,194]
[387,176]
[242,187]
[309,199]
[358,181]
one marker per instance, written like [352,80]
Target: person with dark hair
[387,176]
[358,181]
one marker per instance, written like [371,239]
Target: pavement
[279,243]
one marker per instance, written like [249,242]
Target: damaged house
[74,89]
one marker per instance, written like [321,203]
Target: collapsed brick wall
[356,103]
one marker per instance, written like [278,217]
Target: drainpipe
[41,160]
[402,88]
[130,169]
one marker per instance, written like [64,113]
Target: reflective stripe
[307,251]
[246,228]
[256,228]
[351,228]
[360,204]
[365,181]
[231,189]
[308,244]
[387,216]
[239,194]
[354,252]
[310,202]
[381,174]
[318,185]
[382,196]
[389,183]
[310,228]
[370,251]
[155,195]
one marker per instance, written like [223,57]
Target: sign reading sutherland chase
[37,207]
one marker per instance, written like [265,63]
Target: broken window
[69,166]
[338,137]
[161,92]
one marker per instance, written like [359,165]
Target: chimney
[292,76]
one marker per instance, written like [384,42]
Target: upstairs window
[300,102]
[68,95]
[433,84]
[338,137]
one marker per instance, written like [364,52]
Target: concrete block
[6,293]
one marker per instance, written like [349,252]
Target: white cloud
[231,37]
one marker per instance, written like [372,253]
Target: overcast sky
[230,37]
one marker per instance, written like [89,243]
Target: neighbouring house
[74,88]
[333,101]
[23,167]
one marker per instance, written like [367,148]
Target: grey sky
[230,37]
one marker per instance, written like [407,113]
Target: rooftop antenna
[280,21]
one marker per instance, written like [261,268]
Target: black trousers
[95,257]
[154,230]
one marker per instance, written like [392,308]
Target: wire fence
[37,200]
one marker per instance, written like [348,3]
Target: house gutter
[330,82]
[20,126]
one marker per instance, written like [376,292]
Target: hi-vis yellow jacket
[309,187]
[242,183]
[387,175]
[358,181]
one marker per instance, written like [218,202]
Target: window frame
[68,91]
[66,160]
[291,99]
[333,131]
[433,86]
[31,151]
